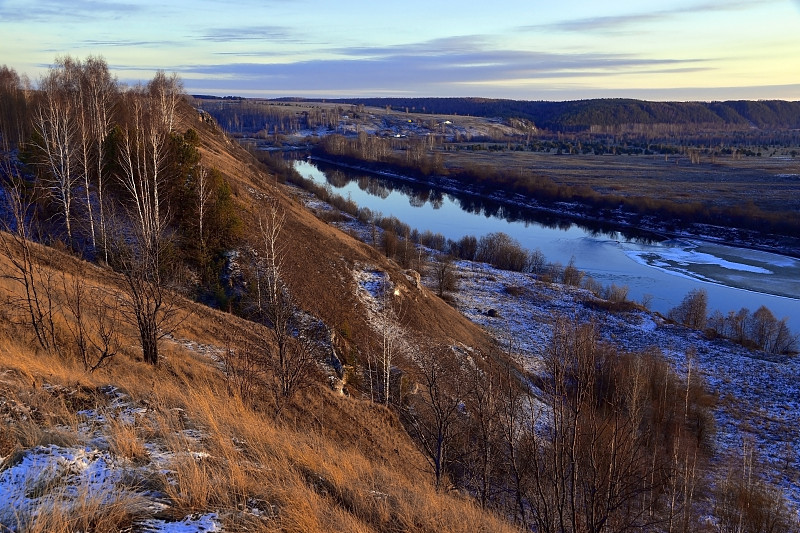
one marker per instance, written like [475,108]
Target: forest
[583,115]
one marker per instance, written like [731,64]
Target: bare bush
[692,311]
[37,283]
[444,273]
[746,504]
[502,251]
[616,293]
[571,275]
[95,323]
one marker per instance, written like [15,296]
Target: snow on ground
[48,479]
[190,524]
[758,393]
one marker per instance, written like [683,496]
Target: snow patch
[190,524]
[52,477]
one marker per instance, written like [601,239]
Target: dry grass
[82,509]
[333,463]
[726,182]
[124,439]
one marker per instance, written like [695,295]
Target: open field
[771,183]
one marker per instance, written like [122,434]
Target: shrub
[692,311]
[571,275]
[502,251]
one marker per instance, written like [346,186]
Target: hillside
[171,447]
[581,115]
[177,445]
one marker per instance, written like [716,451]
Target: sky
[521,49]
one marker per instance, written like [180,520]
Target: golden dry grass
[333,463]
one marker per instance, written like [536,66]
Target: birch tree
[143,158]
[388,324]
[57,137]
[100,92]
[139,255]
[292,356]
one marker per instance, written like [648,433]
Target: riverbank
[609,219]
[756,394]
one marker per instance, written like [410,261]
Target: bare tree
[244,368]
[94,326]
[99,92]
[14,113]
[140,254]
[433,413]
[143,156]
[763,326]
[785,342]
[590,468]
[166,90]
[150,305]
[516,424]
[38,300]
[204,194]
[57,136]
[483,401]
[745,503]
[388,323]
[292,356]
[444,275]
[692,311]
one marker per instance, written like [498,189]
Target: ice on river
[746,269]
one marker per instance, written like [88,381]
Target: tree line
[758,330]
[101,170]
[582,115]
[416,159]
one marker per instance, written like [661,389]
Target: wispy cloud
[65,10]
[282,34]
[618,22]
[433,47]
[402,70]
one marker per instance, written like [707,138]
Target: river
[661,270]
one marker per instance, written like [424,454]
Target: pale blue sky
[526,49]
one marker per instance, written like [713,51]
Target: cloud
[616,22]
[438,70]
[281,34]
[65,10]
[433,47]
[104,43]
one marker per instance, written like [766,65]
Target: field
[771,183]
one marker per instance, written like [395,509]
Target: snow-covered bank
[757,393]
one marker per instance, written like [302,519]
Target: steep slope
[173,446]
[321,259]
[158,448]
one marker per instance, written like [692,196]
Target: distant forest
[598,115]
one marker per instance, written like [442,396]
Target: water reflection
[420,194]
[650,265]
